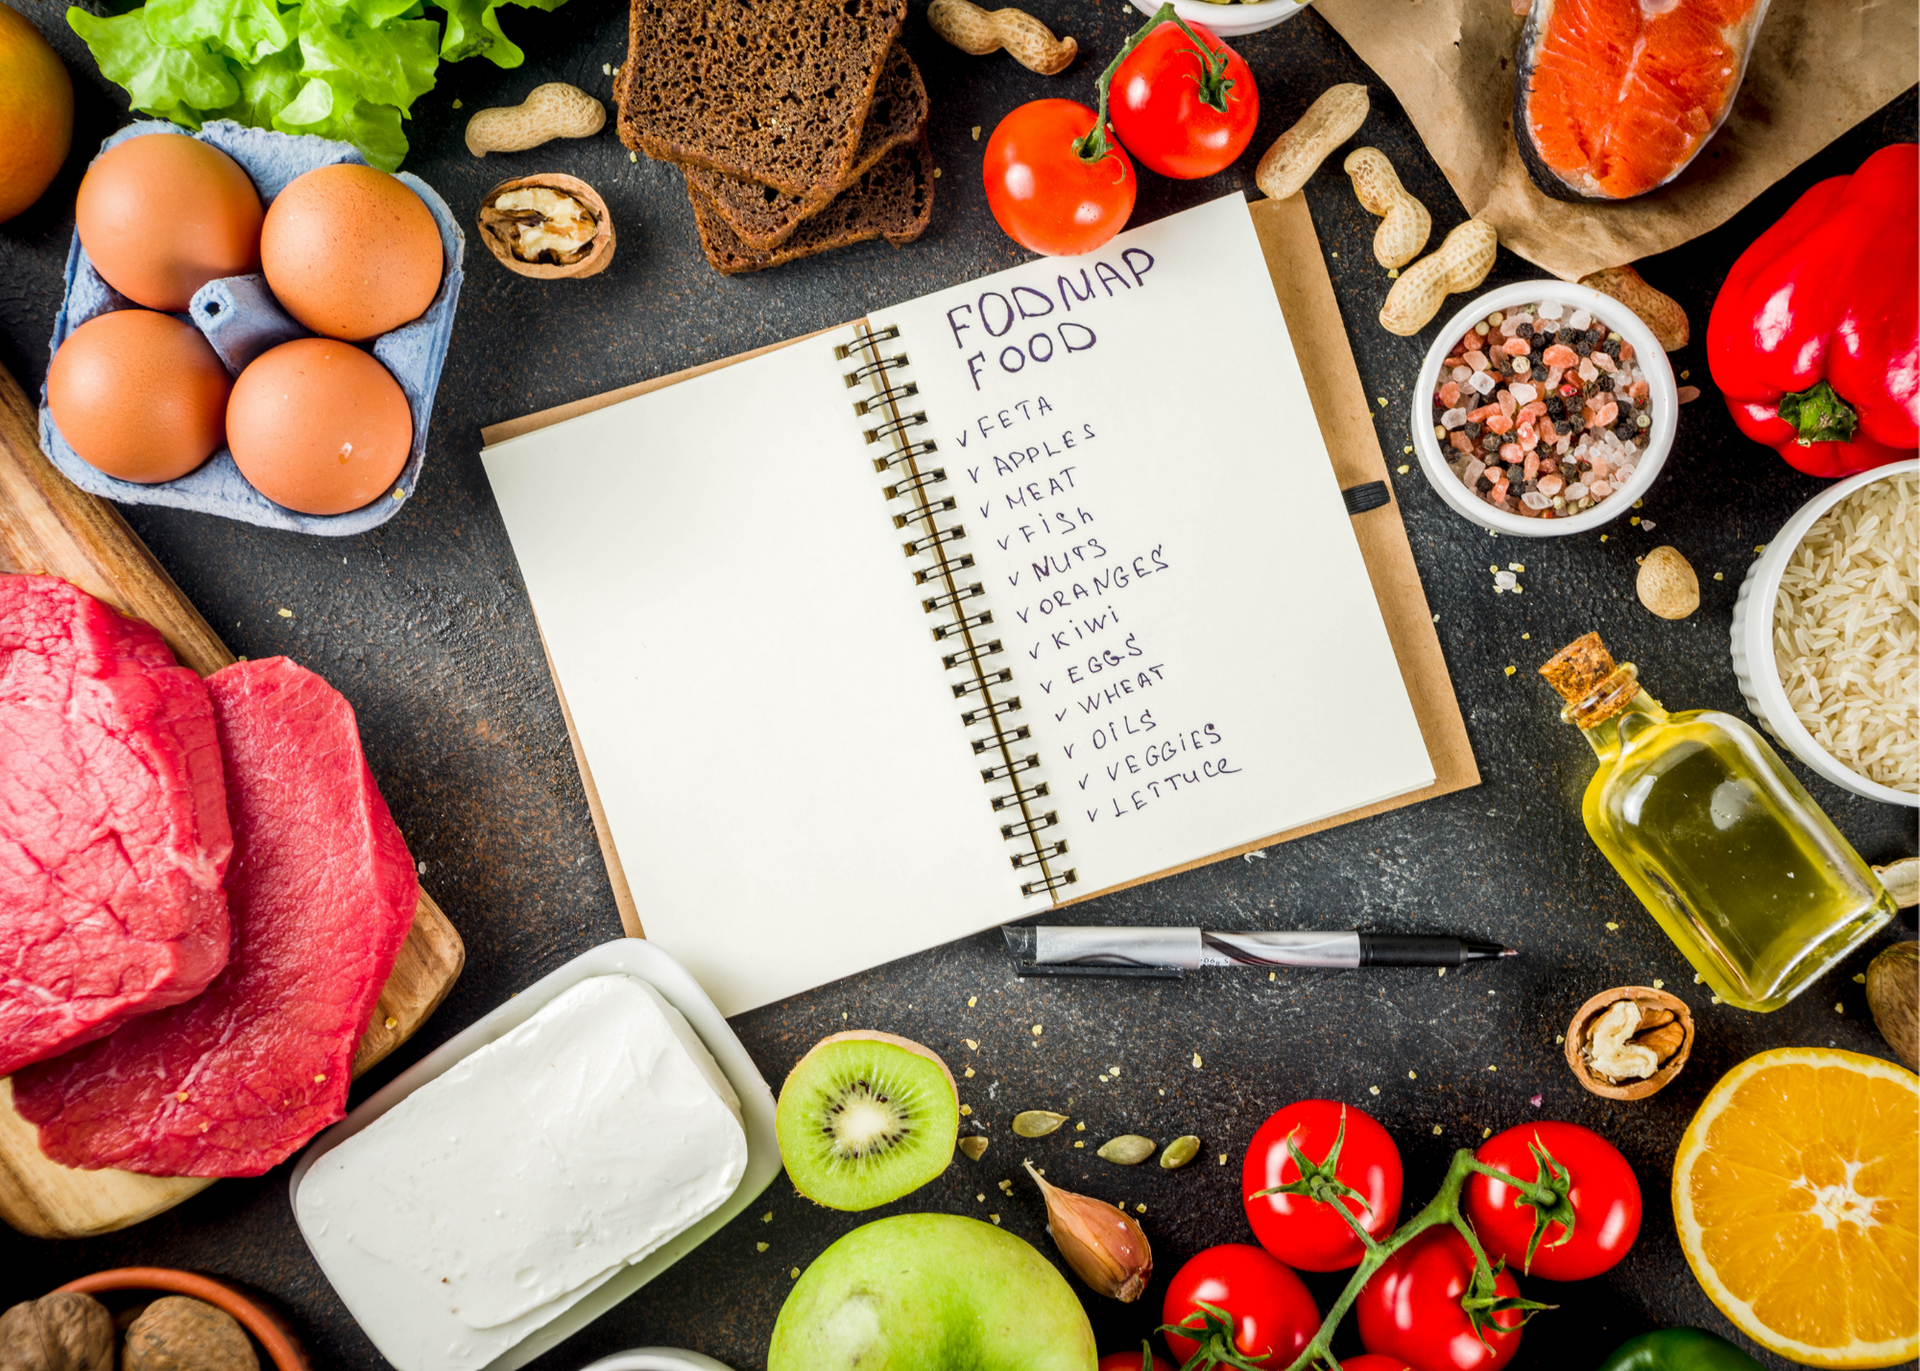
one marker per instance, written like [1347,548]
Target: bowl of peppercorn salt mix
[1544,409]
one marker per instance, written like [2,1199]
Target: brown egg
[351,252]
[319,426]
[139,394]
[163,214]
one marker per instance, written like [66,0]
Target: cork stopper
[1586,676]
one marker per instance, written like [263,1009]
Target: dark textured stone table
[424,624]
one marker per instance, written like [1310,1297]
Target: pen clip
[1131,973]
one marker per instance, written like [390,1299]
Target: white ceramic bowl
[655,1359]
[1753,661]
[1228,21]
[1662,393]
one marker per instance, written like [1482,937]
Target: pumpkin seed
[1179,1152]
[1129,1149]
[973,1145]
[1037,1123]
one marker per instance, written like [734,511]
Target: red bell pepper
[1815,337]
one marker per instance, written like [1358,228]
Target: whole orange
[36,113]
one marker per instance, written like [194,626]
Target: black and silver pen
[1166,952]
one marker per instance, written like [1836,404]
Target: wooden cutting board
[49,525]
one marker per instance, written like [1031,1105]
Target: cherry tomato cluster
[1058,176]
[1565,1205]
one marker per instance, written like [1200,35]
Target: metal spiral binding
[992,678]
[952,597]
[1020,797]
[986,687]
[1009,769]
[903,454]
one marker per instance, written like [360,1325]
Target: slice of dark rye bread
[775,91]
[763,218]
[893,201]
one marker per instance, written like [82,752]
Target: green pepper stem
[1214,84]
[1818,413]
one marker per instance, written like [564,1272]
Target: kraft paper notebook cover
[1021,592]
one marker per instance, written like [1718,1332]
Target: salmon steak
[1613,98]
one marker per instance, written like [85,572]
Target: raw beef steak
[322,892]
[113,823]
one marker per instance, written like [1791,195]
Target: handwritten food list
[1130,523]
[1036,474]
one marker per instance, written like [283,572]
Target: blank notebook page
[732,619]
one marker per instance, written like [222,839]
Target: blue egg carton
[241,319]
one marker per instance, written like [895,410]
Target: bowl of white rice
[1826,634]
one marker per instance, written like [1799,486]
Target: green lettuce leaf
[328,112]
[392,64]
[245,30]
[473,30]
[344,69]
[173,83]
[266,88]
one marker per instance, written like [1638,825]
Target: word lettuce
[345,69]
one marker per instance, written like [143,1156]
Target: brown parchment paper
[1818,68]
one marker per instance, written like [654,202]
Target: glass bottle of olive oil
[1723,846]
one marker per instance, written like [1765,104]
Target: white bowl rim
[1762,603]
[1653,360]
[655,1359]
[1235,20]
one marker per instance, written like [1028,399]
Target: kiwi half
[866,1118]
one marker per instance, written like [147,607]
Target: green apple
[931,1292]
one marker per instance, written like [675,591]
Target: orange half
[1796,1192]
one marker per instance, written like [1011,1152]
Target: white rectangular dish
[646,962]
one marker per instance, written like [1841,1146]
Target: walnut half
[1627,1043]
[547,226]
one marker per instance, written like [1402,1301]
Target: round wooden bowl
[267,1328]
[1648,998]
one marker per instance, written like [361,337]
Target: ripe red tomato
[1272,1315]
[1044,195]
[1411,1308]
[1301,1231]
[1603,1190]
[1123,1361]
[1373,1361]
[1163,103]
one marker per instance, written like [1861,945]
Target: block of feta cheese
[499,1194]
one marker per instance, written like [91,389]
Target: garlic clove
[1105,1247]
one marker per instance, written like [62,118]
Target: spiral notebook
[1021,591]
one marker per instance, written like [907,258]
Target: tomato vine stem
[1214,86]
[1547,1197]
